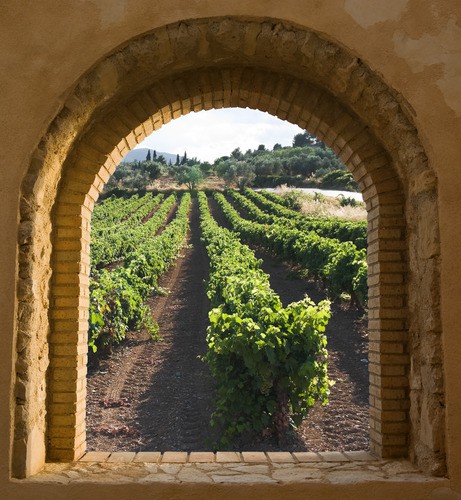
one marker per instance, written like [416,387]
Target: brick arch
[295,75]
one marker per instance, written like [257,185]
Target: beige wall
[414,45]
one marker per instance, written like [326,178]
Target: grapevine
[339,264]
[117,297]
[269,362]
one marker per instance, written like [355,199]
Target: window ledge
[230,467]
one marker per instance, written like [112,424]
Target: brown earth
[158,395]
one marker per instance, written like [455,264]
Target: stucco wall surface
[413,45]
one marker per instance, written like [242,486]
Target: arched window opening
[158,396]
[311,83]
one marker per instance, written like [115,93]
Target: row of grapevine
[117,242]
[328,227]
[340,264]
[254,212]
[285,202]
[113,210]
[269,362]
[117,297]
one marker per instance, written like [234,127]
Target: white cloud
[208,135]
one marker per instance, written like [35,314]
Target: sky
[207,135]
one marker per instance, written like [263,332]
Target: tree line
[307,163]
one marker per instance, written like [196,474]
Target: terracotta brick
[113,160]
[67,409]
[64,302]
[121,456]
[360,173]
[391,404]
[174,457]
[64,385]
[90,153]
[65,397]
[307,456]
[62,443]
[333,456]
[389,290]
[62,432]
[391,427]
[314,123]
[280,457]
[148,456]
[92,197]
[67,455]
[201,457]
[69,330]
[385,232]
[104,174]
[69,279]
[386,324]
[388,439]
[66,313]
[370,194]
[227,457]
[381,255]
[293,114]
[75,185]
[95,456]
[62,420]
[390,416]
[385,278]
[388,186]
[386,302]
[363,142]
[388,382]
[354,129]
[254,456]
[388,394]
[387,347]
[81,244]
[63,361]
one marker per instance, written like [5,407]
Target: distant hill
[141,153]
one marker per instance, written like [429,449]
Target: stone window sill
[231,467]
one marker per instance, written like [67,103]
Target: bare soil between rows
[159,395]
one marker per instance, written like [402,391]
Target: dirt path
[159,395]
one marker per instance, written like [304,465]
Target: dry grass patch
[318,204]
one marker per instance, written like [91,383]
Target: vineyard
[242,356]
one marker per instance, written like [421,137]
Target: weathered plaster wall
[414,44]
